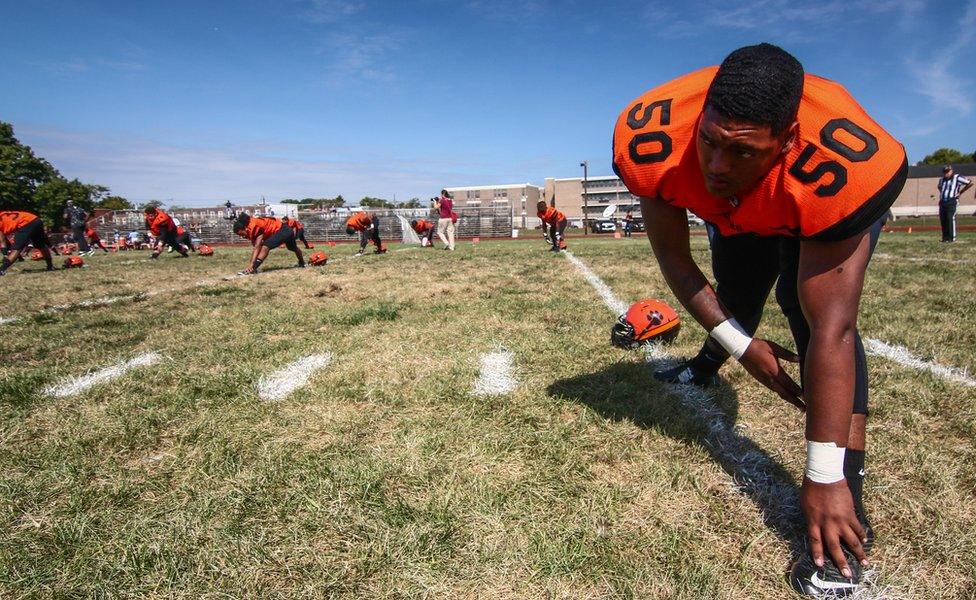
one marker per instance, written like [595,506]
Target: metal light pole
[585,166]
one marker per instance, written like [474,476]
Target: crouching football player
[299,230]
[183,238]
[94,240]
[161,226]
[25,228]
[553,225]
[368,227]
[425,229]
[795,178]
[265,234]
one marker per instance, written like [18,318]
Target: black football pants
[746,267]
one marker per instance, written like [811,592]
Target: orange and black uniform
[298,228]
[838,180]
[368,227]
[23,228]
[275,233]
[162,226]
[425,229]
[553,225]
[94,239]
[183,237]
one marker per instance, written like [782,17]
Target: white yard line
[903,356]
[76,385]
[612,302]
[496,376]
[922,259]
[280,384]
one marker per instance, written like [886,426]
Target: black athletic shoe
[686,373]
[810,580]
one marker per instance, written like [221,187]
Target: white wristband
[731,336]
[825,462]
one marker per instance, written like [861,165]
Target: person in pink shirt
[445,223]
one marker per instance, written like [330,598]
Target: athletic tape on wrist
[825,462]
[731,336]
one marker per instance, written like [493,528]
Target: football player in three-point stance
[368,227]
[796,179]
[425,229]
[265,234]
[553,225]
[299,230]
[161,225]
[94,240]
[25,228]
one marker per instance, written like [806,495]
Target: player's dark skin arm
[667,230]
[259,252]
[830,278]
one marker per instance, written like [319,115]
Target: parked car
[694,220]
[637,225]
[603,226]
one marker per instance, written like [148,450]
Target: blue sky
[205,101]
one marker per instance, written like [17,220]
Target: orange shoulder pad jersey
[159,223]
[842,174]
[12,220]
[258,226]
[551,216]
[295,224]
[423,226]
[92,234]
[359,221]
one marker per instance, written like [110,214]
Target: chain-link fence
[214,226]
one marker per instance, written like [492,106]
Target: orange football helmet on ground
[645,321]
[318,258]
[205,250]
[73,262]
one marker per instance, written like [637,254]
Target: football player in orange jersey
[24,228]
[425,229]
[299,230]
[183,238]
[94,240]
[795,180]
[553,225]
[265,234]
[161,226]
[368,227]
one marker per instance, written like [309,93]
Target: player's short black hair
[242,220]
[350,230]
[413,223]
[759,84]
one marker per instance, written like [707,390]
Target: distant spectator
[951,186]
[445,222]
[628,223]
[77,218]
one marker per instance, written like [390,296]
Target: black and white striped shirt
[949,187]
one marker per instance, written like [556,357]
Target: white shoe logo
[830,585]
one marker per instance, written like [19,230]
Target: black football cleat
[686,373]
[810,580]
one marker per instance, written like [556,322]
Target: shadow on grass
[626,391]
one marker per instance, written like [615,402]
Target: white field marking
[903,356]
[75,385]
[280,384]
[496,375]
[752,470]
[5,320]
[612,302]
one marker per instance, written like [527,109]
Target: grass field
[387,475]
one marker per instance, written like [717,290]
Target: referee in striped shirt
[951,186]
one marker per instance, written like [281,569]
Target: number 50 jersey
[841,175]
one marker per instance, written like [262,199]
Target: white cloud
[141,169]
[328,11]
[942,76]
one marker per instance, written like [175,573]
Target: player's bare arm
[667,230]
[830,279]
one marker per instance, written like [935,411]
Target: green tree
[21,172]
[51,197]
[291,201]
[375,202]
[115,203]
[947,156]
[151,203]
[413,203]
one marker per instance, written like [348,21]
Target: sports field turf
[387,475]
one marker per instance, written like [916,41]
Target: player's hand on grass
[831,521]
[762,361]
